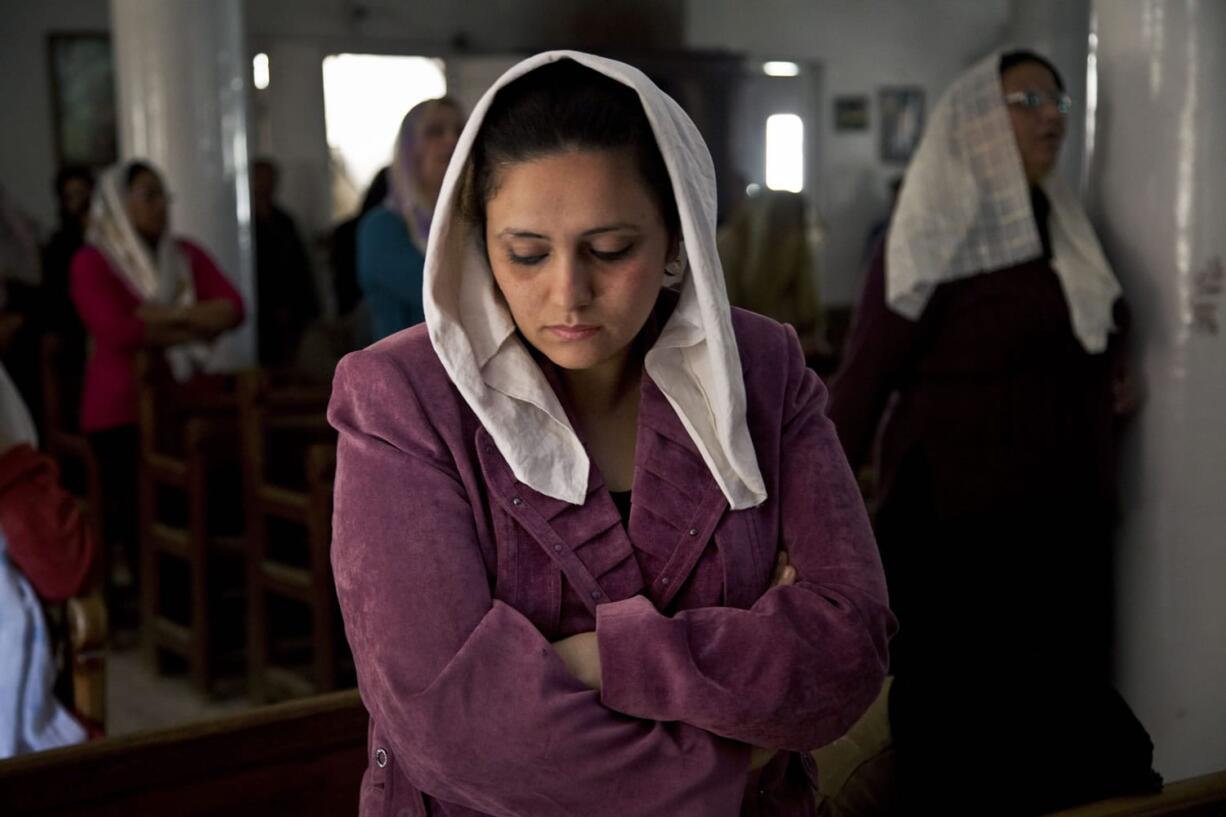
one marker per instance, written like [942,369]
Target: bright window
[785,152]
[365,97]
[259,71]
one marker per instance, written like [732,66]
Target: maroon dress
[996,505]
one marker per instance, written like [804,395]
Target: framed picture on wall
[83,98]
[850,113]
[902,122]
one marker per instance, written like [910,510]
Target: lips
[572,332]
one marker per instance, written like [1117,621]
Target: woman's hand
[783,576]
[161,314]
[171,325]
[581,655]
[208,319]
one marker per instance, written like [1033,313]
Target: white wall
[1158,191]
[27,140]
[862,46]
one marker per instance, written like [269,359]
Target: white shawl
[694,362]
[165,280]
[965,209]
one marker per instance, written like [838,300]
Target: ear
[674,248]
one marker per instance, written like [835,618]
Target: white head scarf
[404,194]
[694,361]
[965,209]
[164,280]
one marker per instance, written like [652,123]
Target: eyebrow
[512,232]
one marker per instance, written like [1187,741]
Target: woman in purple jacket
[596,545]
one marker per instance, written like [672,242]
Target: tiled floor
[138,699]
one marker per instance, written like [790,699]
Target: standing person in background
[343,250]
[392,238]
[19,260]
[286,301]
[768,249]
[47,308]
[74,187]
[325,343]
[881,226]
[137,287]
[993,324]
[20,276]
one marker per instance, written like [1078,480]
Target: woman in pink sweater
[137,287]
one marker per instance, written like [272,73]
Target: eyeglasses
[1034,100]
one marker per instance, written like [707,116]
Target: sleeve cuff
[637,651]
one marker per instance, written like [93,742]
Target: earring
[674,267]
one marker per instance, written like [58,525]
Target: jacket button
[595,594]
[557,548]
[664,580]
[693,531]
[381,757]
[516,501]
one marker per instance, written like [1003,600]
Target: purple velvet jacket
[454,579]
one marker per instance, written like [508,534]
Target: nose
[572,283]
[450,140]
[1050,113]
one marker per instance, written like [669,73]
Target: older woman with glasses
[992,326]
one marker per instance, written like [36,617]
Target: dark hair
[377,192]
[565,106]
[1012,58]
[69,172]
[268,164]
[135,168]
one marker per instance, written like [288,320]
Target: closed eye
[615,255]
[526,260]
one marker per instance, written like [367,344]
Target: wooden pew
[289,459]
[306,758]
[189,448]
[86,658]
[62,440]
[81,623]
[1203,796]
[302,758]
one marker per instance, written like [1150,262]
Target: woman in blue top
[392,238]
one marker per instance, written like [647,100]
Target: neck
[150,243]
[607,386]
[427,198]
